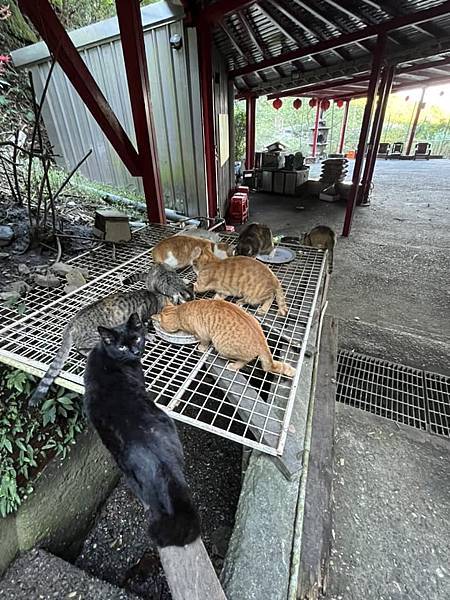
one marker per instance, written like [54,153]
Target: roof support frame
[357,36]
[365,126]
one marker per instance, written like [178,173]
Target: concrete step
[38,575]
[391,513]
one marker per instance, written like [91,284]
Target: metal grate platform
[97,261]
[249,406]
[397,392]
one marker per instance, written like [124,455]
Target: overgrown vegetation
[293,127]
[28,440]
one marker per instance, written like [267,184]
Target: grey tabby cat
[81,331]
[322,237]
[255,239]
[165,281]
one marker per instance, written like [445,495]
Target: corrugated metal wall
[175,92]
[223,105]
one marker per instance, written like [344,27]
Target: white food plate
[180,338]
[279,256]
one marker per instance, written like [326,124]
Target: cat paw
[203,347]
[262,310]
[235,366]
[282,312]
[219,297]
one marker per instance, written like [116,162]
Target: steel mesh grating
[397,392]
[97,261]
[249,406]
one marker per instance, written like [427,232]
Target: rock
[75,279]
[48,281]
[10,296]
[60,268]
[20,287]
[6,235]
[23,269]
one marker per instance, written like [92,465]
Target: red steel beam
[333,83]
[316,130]
[371,93]
[375,136]
[347,38]
[344,126]
[132,38]
[412,133]
[250,132]
[314,87]
[43,17]
[207,99]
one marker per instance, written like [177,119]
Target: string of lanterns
[324,103]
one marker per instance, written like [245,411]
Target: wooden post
[190,573]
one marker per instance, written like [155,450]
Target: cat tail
[274,366]
[281,300]
[133,278]
[178,524]
[53,371]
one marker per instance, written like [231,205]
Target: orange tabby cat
[234,333]
[177,251]
[239,276]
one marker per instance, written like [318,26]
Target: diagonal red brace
[133,48]
[59,43]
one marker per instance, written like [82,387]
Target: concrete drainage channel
[408,396]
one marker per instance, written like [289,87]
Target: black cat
[140,436]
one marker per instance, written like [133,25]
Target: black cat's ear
[134,322]
[108,335]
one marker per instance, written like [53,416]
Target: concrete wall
[66,497]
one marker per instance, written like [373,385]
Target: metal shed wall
[175,92]
[223,104]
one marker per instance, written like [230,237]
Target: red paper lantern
[277,104]
[297,103]
[325,104]
[339,103]
[313,102]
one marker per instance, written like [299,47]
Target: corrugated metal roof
[266,29]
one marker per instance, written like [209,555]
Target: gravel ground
[118,548]
[37,575]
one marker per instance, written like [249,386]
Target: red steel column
[375,136]
[250,131]
[420,105]
[207,98]
[371,93]
[132,38]
[344,126]
[316,130]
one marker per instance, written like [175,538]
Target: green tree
[239,130]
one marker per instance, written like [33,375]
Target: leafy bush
[29,439]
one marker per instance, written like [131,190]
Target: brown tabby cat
[255,238]
[234,333]
[177,251]
[239,276]
[322,237]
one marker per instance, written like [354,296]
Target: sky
[432,96]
